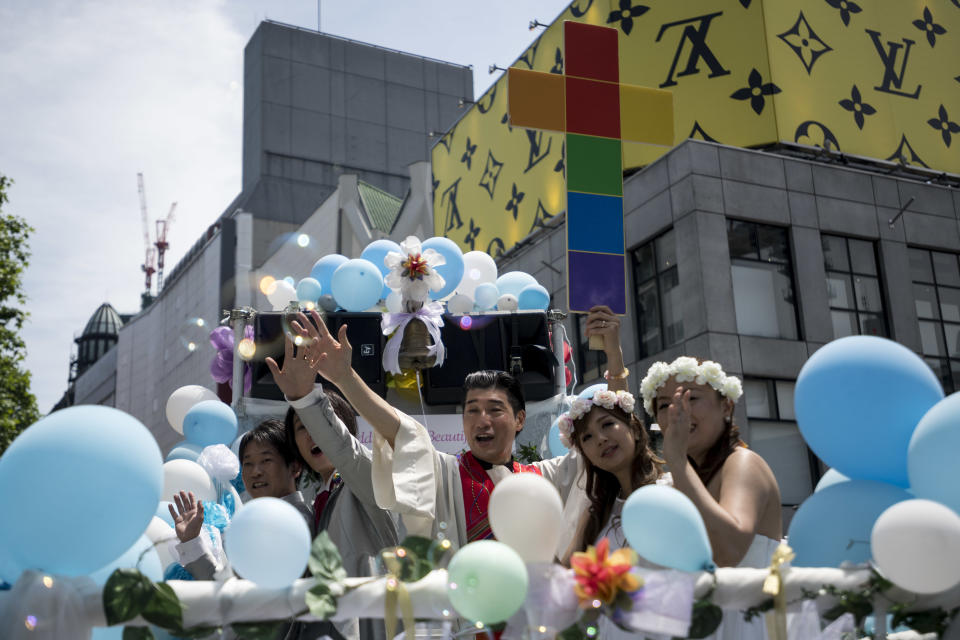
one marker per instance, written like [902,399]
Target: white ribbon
[431,314]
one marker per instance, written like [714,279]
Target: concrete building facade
[337,133]
[756,259]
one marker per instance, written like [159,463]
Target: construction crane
[161,244]
[148,262]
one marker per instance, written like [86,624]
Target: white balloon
[184,475]
[478,267]
[507,302]
[278,563]
[916,544]
[282,295]
[460,304]
[182,400]
[526,514]
[161,535]
[394,302]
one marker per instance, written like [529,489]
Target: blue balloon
[184,450]
[376,252]
[553,440]
[452,270]
[932,455]
[514,282]
[533,297]
[357,284]
[163,512]
[274,565]
[210,422]
[324,268]
[142,555]
[834,524]
[485,296]
[830,478]
[858,400]
[664,526]
[309,290]
[8,570]
[54,474]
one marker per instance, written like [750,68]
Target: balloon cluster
[875,412]
[78,491]
[471,282]
[488,581]
[205,465]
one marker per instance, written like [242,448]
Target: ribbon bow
[396,594]
[773,586]
[431,314]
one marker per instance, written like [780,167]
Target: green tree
[18,407]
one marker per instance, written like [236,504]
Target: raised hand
[601,321]
[297,376]
[330,357]
[676,433]
[188,515]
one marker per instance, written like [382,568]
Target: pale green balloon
[486,582]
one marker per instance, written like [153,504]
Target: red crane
[153,261]
[161,244]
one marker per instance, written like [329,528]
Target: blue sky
[93,92]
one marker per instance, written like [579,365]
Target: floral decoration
[581,407]
[604,576]
[687,369]
[413,271]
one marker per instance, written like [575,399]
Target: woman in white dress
[617,457]
[732,487]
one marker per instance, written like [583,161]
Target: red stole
[477,487]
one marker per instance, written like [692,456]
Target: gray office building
[755,259]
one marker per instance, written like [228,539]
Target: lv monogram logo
[696,34]
[892,77]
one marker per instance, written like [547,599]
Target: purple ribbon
[431,314]
[221,367]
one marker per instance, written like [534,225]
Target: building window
[774,435]
[762,274]
[936,294]
[659,306]
[853,287]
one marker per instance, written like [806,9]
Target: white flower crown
[687,369]
[581,407]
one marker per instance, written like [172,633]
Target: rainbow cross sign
[597,114]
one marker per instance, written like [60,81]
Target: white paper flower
[685,369]
[565,425]
[732,388]
[710,373]
[626,401]
[580,408]
[605,398]
[413,271]
[657,374]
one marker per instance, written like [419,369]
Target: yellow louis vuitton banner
[878,79]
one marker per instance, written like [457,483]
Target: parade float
[85,546]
